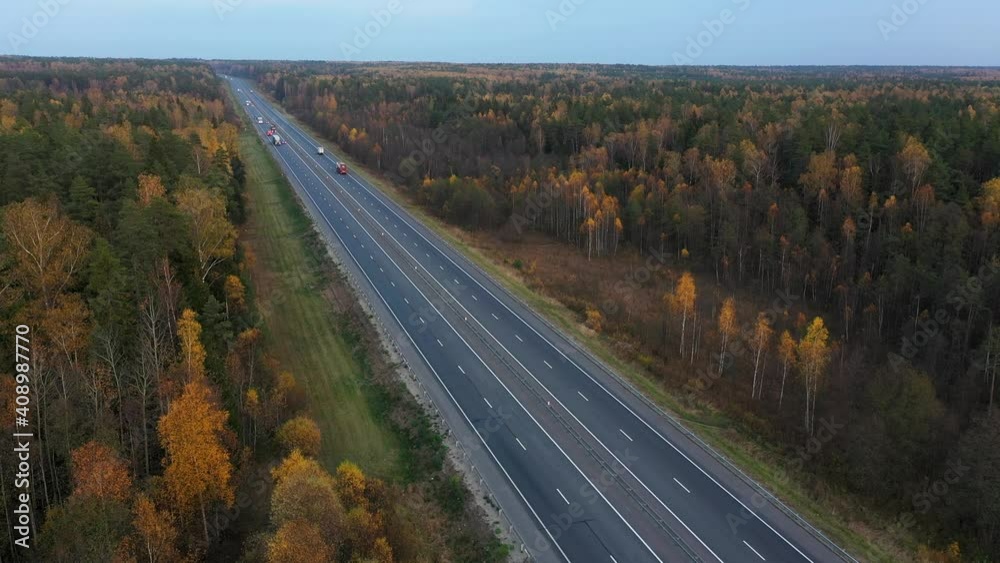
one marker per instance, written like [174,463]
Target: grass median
[306,336]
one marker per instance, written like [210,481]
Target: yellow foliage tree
[683,300]
[150,188]
[787,350]
[235,293]
[813,357]
[47,248]
[214,237]
[728,327]
[595,320]
[300,541]
[192,351]
[915,160]
[197,465]
[306,491]
[301,433]
[351,484]
[989,203]
[156,535]
[762,333]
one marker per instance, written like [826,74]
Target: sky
[652,32]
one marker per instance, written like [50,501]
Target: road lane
[579,530]
[715,517]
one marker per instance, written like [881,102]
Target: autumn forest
[165,429]
[780,248]
[804,263]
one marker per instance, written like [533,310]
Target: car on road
[320,151]
[342,168]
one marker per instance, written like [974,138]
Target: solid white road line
[558,447]
[754,550]
[445,387]
[686,490]
[606,390]
[612,395]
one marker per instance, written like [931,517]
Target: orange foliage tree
[99,472]
[198,467]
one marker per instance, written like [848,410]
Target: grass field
[304,332]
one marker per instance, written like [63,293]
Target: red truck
[341,169]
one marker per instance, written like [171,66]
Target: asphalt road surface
[585,468]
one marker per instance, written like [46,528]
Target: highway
[590,470]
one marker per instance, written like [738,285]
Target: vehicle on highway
[277,140]
[342,168]
[320,151]
[260,120]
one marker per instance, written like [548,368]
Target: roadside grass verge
[316,329]
[303,331]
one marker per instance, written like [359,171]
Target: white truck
[276,139]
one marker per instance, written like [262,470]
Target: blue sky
[755,32]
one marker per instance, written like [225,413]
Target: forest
[797,249]
[163,430]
